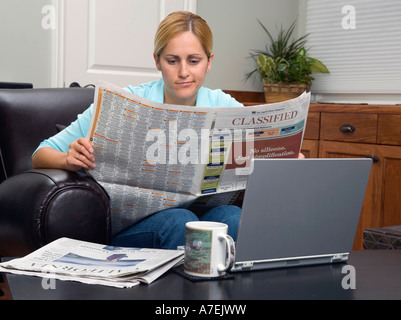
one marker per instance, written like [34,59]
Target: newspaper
[68,259]
[152,156]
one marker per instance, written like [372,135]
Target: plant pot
[280,92]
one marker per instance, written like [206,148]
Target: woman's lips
[184,84]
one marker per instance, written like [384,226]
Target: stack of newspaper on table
[68,259]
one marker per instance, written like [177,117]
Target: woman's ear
[209,64]
[157,62]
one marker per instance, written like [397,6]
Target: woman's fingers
[80,154]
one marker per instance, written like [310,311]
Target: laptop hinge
[247,265]
[339,257]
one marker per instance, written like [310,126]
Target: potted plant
[285,68]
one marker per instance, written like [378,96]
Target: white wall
[236,32]
[25,47]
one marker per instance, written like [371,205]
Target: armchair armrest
[39,206]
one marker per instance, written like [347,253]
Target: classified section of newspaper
[152,156]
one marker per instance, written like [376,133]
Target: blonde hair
[179,22]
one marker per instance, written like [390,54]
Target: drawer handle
[346,128]
[374,158]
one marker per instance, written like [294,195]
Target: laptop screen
[301,207]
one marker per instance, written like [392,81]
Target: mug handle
[230,249]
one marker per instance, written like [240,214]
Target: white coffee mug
[209,250]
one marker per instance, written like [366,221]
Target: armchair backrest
[28,116]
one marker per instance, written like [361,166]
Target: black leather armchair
[39,206]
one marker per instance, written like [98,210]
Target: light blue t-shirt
[153,91]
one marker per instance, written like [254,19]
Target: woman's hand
[80,155]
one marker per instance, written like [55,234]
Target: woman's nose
[183,71]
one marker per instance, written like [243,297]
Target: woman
[183,54]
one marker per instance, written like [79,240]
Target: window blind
[360,43]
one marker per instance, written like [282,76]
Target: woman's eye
[194,61]
[172,61]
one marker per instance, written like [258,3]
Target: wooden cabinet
[355,131]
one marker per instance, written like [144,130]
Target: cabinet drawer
[389,129]
[350,127]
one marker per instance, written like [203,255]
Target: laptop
[300,212]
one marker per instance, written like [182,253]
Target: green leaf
[302,52]
[318,66]
[261,60]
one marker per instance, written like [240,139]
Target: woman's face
[184,64]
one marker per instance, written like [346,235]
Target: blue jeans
[166,229]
